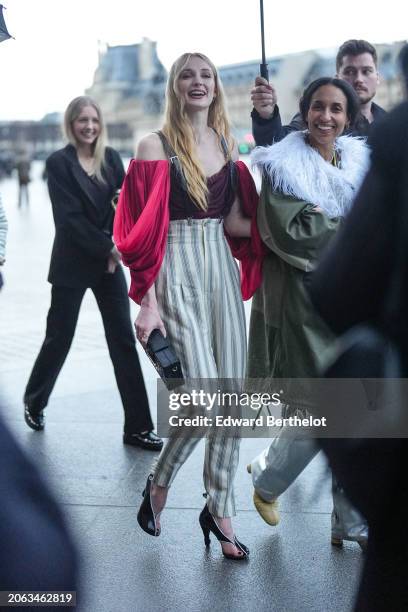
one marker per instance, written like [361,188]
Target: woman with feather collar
[309,182]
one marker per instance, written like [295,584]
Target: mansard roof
[118,64]
[122,64]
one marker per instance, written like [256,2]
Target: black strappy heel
[208,523]
[146,517]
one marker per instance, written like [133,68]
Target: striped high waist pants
[200,302]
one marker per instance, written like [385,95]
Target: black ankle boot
[208,523]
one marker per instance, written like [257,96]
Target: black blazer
[81,245]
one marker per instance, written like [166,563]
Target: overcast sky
[55,51]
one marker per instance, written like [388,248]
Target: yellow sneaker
[267,510]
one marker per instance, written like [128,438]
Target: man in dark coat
[356,63]
[351,286]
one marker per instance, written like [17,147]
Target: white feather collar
[295,169]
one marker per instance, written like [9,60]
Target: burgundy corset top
[220,196]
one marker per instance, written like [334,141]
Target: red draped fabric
[250,252]
[142,221]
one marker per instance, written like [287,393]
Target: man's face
[361,72]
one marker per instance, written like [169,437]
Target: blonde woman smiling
[171,227]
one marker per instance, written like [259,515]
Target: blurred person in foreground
[83,177]
[351,286]
[356,63]
[33,532]
[36,550]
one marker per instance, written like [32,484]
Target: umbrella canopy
[4,35]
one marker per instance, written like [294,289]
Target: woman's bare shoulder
[150,148]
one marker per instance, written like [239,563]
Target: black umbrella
[4,35]
[264,65]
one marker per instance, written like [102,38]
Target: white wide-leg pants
[200,302]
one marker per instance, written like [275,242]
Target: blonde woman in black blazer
[82,179]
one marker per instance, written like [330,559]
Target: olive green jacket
[287,338]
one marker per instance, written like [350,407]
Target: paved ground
[98,481]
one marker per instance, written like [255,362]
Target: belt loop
[190,220]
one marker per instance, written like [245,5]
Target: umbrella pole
[264,65]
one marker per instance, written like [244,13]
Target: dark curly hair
[353,103]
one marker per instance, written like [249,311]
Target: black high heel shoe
[146,517]
[208,523]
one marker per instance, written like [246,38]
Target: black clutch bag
[164,359]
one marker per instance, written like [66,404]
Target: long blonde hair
[73,111]
[179,131]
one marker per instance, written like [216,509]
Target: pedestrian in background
[83,177]
[23,166]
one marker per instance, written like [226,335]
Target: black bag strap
[168,149]
[232,167]
[173,159]
[224,147]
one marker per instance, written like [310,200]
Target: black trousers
[113,303]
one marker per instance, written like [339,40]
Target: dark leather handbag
[164,359]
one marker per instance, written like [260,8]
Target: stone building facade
[129,84]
